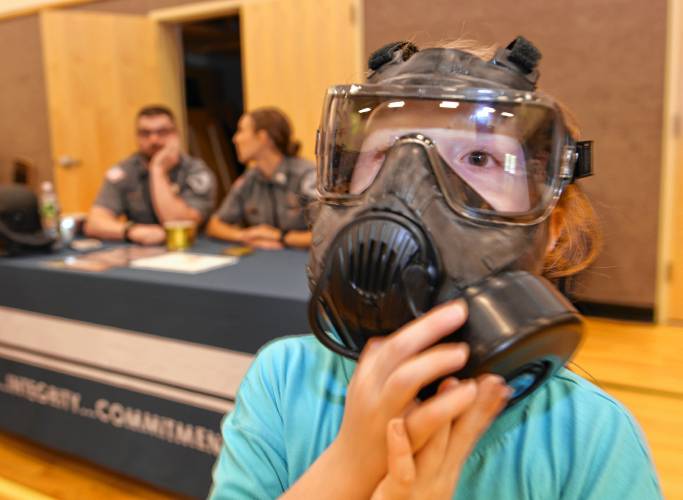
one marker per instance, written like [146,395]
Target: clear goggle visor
[494,160]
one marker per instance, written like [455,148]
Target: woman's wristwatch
[283,235]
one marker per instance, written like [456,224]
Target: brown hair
[155,110]
[580,239]
[277,126]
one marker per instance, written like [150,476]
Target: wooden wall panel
[23,108]
[132,6]
[292,50]
[676,274]
[605,60]
[672,223]
[13,8]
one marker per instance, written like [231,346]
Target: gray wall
[605,60]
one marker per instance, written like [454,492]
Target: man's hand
[147,234]
[168,156]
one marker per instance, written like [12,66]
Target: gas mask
[436,181]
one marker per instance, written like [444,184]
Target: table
[134,369]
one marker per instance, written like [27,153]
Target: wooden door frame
[672,135]
[168,21]
[196,11]
[19,8]
[218,8]
[172,16]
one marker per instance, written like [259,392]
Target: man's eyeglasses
[161,132]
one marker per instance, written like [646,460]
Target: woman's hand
[266,244]
[262,232]
[433,471]
[263,236]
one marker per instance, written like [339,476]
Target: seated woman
[448,190]
[266,206]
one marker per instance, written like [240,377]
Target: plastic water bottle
[49,209]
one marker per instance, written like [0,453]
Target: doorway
[214,100]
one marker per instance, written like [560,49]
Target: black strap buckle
[520,56]
[387,54]
[584,160]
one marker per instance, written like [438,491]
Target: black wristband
[283,235]
[129,225]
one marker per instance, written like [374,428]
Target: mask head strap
[512,67]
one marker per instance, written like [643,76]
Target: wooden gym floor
[640,364]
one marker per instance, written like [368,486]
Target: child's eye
[478,158]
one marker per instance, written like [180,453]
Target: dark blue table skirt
[88,360]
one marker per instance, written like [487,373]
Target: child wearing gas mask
[447,189]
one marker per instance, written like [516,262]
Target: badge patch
[280,178]
[115,174]
[200,182]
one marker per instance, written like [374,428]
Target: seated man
[153,186]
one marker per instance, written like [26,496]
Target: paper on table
[182,262]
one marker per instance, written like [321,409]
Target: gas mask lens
[493,160]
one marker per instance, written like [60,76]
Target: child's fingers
[400,453]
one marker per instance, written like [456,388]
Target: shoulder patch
[239,182]
[199,182]
[280,178]
[115,174]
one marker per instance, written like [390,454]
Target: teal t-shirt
[568,440]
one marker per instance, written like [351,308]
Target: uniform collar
[280,175]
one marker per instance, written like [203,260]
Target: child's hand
[433,470]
